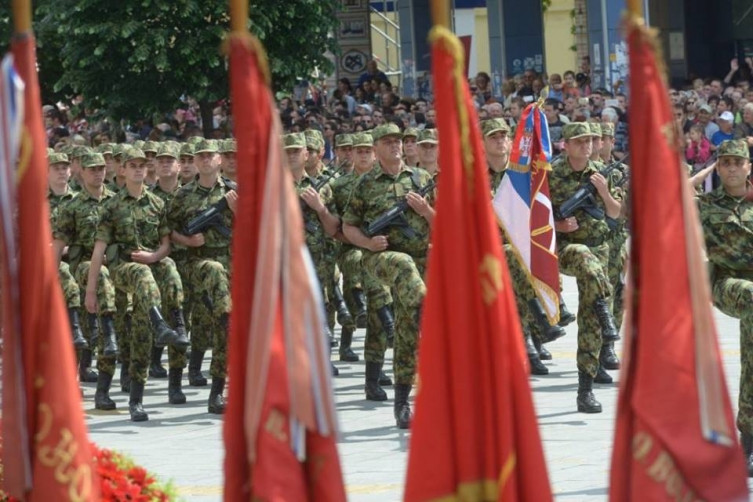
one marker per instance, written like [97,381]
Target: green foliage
[545,4]
[132,58]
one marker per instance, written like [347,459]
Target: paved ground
[184,443]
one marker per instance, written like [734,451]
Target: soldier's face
[59,174]
[168,166]
[364,158]
[135,171]
[93,176]
[297,158]
[733,171]
[597,144]
[187,168]
[229,165]
[207,163]
[344,154]
[607,144]
[389,150]
[410,147]
[428,153]
[579,149]
[110,164]
[497,144]
[313,157]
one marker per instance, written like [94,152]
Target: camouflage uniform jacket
[316,239]
[495,178]
[342,190]
[134,223]
[563,183]
[165,196]
[728,231]
[76,222]
[56,200]
[190,200]
[377,192]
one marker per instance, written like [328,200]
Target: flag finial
[22,16]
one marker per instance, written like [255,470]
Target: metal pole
[605,42]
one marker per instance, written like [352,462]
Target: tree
[131,59]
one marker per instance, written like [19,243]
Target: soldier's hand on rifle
[192,241]
[90,302]
[378,243]
[418,204]
[232,200]
[567,225]
[312,199]
[145,257]
[600,182]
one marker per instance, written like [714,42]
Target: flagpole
[238,16]
[21,16]
[635,7]
[440,13]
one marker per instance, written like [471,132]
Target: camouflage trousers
[404,275]
[349,263]
[70,288]
[377,296]
[523,291]
[590,267]
[618,254]
[155,285]
[209,290]
[734,297]
[330,278]
[105,287]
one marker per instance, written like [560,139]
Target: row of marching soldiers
[134,280]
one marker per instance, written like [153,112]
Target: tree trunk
[206,118]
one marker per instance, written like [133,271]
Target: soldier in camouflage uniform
[727,219]
[583,250]
[318,221]
[395,259]
[75,157]
[379,297]
[428,151]
[228,148]
[75,226]
[343,161]
[187,169]
[207,264]
[150,149]
[58,174]
[534,322]
[133,232]
[618,251]
[410,147]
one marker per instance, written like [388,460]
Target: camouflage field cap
[133,153]
[362,139]
[228,146]
[117,150]
[595,129]
[491,126]
[79,151]
[92,159]
[186,150]
[57,158]
[384,130]
[428,136]
[193,140]
[607,129]
[314,139]
[169,149]
[50,151]
[294,140]
[139,143]
[342,140]
[734,148]
[205,145]
[576,130]
[149,147]
[104,149]
[410,132]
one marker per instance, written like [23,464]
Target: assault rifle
[310,226]
[585,197]
[211,217]
[395,216]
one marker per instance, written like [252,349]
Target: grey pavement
[184,443]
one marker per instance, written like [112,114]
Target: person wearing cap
[74,156]
[75,226]
[726,216]
[595,128]
[343,160]
[58,191]
[534,322]
[410,147]
[705,114]
[187,169]
[207,267]
[726,123]
[110,169]
[397,258]
[150,149]
[133,232]
[428,151]
[583,251]
[227,149]
[118,180]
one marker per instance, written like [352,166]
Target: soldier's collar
[721,193]
[380,172]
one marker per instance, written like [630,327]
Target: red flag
[46,454]
[475,435]
[280,423]
[675,436]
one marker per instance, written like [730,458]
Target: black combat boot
[384,380]
[195,378]
[216,399]
[403,415]
[566,317]
[174,391]
[85,373]
[586,401]
[608,357]
[609,331]
[537,367]
[181,343]
[163,334]
[125,377]
[346,339]
[93,322]
[602,376]
[343,314]
[156,370]
[331,337]
[544,354]
[135,403]
[746,441]
[79,342]
[109,337]
[548,332]
[374,391]
[102,399]
[335,371]
[387,319]
[360,300]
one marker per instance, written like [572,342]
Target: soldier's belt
[205,252]
[592,243]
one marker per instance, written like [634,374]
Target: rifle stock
[395,216]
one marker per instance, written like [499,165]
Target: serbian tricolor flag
[524,208]
[280,423]
[475,435]
[675,437]
[45,451]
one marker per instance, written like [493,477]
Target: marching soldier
[150,149]
[428,151]
[187,169]
[227,149]
[343,153]
[410,147]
